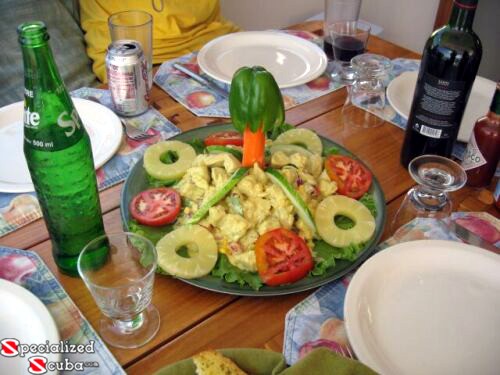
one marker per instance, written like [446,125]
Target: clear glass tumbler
[365,103]
[135,25]
[349,39]
[337,11]
[119,270]
[436,176]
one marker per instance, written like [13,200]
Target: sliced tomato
[225,138]
[282,257]
[352,178]
[156,207]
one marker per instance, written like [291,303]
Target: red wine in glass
[327,47]
[346,47]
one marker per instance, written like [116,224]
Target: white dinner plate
[292,60]
[426,307]
[103,126]
[400,95]
[25,318]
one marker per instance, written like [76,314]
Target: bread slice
[211,362]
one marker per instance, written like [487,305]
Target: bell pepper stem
[253,147]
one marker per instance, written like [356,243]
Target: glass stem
[428,199]
[129,326]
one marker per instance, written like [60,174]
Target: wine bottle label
[439,107]
[473,158]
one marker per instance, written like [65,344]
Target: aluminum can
[127,71]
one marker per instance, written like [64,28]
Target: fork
[135,134]
[130,131]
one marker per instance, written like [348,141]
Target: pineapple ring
[202,250]
[303,136]
[364,222]
[161,171]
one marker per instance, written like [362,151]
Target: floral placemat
[202,101]
[318,321]
[17,210]
[27,269]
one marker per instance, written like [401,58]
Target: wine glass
[365,103]
[119,270]
[436,176]
[349,39]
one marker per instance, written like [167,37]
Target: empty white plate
[426,307]
[103,126]
[24,318]
[400,95]
[291,60]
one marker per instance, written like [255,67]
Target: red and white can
[127,72]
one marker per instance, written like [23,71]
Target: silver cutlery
[201,80]
[135,134]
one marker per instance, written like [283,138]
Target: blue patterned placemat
[319,319]
[202,101]
[27,269]
[19,209]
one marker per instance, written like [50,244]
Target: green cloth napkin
[320,361]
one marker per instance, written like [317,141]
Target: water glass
[119,270]
[435,176]
[365,103]
[337,11]
[349,39]
[135,25]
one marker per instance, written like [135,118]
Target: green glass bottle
[58,153]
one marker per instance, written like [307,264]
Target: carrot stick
[253,147]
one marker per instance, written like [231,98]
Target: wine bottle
[448,68]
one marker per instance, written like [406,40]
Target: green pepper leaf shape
[255,100]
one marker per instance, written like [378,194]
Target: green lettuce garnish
[226,271]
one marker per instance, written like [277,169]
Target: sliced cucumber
[166,172]
[219,149]
[201,252]
[219,195]
[289,149]
[299,204]
[301,136]
[335,205]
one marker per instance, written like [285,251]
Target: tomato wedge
[282,257]
[156,207]
[225,138]
[352,178]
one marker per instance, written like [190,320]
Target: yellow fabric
[182,26]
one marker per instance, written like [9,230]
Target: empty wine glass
[119,269]
[365,103]
[436,176]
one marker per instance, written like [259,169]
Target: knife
[471,238]
[201,80]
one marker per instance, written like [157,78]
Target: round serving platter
[137,182]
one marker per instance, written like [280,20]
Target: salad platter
[235,273]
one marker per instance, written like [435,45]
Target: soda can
[127,71]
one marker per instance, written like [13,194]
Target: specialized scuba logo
[66,121]
[40,364]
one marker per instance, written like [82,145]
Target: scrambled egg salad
[255,205]
[288,215]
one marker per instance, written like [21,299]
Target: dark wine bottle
[449,66]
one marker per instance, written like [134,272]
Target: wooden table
[193,319]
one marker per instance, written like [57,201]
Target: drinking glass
[371,76]
[119,270]
[135,25]
[436,176]
[349,39]
[336,11]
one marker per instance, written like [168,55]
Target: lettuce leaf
[154,234]
[275,131]
[197,144]
[369,201]
[226,271]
